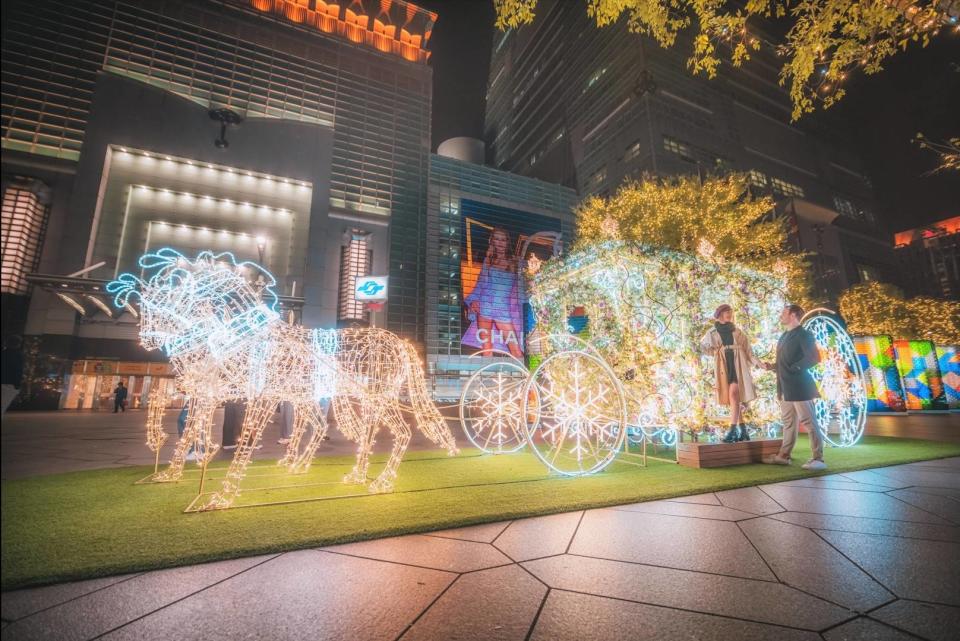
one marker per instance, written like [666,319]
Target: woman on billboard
[494,303]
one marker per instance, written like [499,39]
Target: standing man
[12,364]
[120,398]
[796,354]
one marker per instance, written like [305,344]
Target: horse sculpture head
[211,302]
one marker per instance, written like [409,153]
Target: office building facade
[292,133]
[589,108]
[929,259]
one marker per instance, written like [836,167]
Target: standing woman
[734,382]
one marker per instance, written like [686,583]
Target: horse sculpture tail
[430,420]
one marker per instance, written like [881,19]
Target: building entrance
[90,384]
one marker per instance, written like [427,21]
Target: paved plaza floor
[860,555]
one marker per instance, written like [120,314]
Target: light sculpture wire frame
[841,410]
[575,410]
[491,406]
[156,436]
[216,319]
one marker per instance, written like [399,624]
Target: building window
[594,78]
[597,178]
[845,207]
[722,165]
[758,178]
[675,146]
[24,223]
[868,273]
[632,152]
[356,260]
[785,188]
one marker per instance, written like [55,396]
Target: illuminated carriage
[628,367]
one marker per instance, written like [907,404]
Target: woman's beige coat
[712,345]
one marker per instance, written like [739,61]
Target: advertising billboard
[920,372]
[882,379]
[497,244]
[948,356]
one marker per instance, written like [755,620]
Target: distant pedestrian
[12,366]
[233,414]
[796,353]
[182,417]
[181,428]
[120,398]
[286,422]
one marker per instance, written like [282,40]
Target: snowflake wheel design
[842,406]
[581,416]
[491,408]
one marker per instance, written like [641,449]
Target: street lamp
[226,118]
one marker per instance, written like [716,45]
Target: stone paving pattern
[863,555]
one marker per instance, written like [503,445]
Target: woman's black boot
[731,435]
[743,434]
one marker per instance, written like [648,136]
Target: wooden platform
[722,454]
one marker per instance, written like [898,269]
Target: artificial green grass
[86,524]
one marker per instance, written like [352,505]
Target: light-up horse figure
[226,341]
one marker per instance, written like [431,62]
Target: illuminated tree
[826,42]
[880,308]
[717,215]
[948,152]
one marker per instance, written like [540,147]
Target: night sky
[918,91]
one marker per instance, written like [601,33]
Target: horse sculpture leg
[367,424]
[258,413]
[401,438]
[198,428]
[156,436]
[300,421]
[310,413]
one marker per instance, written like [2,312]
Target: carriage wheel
[842,406]
[491,407]
[579,424]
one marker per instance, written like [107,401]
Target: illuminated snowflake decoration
[576,411]
[491,407]
[217,321]
[842,406]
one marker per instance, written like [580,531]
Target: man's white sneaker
[814,465]
[191,457]
[229,447]
[776,460]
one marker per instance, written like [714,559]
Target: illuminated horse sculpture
[226,341]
